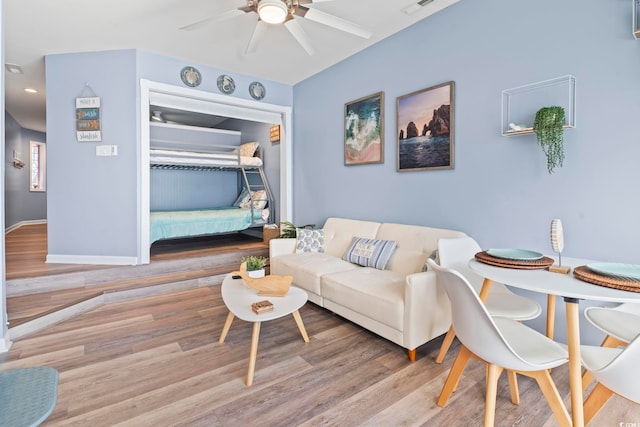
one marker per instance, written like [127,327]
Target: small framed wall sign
[88,119]
[274,133]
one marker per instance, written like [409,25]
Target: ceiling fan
[282,12]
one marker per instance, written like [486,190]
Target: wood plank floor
[26,251]
[156,362]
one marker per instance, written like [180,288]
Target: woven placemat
[584,273]
[544,262]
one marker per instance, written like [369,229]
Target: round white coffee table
[238,297]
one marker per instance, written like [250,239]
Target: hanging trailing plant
[549,128]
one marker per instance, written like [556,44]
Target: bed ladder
[247,173]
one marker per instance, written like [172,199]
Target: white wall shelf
[520,104]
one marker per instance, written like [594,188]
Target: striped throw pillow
[370,252]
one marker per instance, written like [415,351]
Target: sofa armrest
[427,309]
[281,247]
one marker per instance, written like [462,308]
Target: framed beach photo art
[425,129]
[364,130]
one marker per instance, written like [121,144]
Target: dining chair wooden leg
[550,393]
[493,373]
[448,340]
[513,387]
[551,315]
[609,341]
[587,379]
[595,402]
[454,375]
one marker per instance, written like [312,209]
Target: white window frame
[39,181]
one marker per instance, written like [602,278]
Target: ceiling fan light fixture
[273,11]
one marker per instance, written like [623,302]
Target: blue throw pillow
[370,252]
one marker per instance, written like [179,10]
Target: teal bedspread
[173,224]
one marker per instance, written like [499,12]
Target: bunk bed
[253,207]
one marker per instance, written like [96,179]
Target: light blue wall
[20,203]
[91,209]
[165,69]
[92,201]
[499,192]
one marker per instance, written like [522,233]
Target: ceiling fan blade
[257,35]
[333,21]
[204,22]
[300,35]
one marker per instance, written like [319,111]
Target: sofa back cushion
[339,232]
[415,244]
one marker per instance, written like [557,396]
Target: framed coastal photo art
[425,129]
[364,130]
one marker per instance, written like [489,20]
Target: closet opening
[208,168]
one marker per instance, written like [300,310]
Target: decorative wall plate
[190,76]
[226,84]
[257,90]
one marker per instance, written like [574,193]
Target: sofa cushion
[309,240]
[338,233]
[378,294]
[415,244]
[370,252]
[307,268]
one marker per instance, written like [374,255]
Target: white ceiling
[35,28]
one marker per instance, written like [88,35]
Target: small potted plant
[255,266]
[288,230]
[549,129]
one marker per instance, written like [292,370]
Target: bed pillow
[248,149]
[311,241]
[259,199]
[243,199]
[370,252]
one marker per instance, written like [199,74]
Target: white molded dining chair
[621,324]
[455,254]
[499,342]
[616,371]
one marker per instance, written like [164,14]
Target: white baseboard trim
[21,223]
[5,344]
[56,317]
[91,259]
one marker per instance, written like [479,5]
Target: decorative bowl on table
[270,286]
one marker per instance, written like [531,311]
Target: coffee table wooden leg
[253,352]
[225,328]
[303,331]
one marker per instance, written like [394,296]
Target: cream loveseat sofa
[400,303]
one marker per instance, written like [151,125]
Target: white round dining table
[572,290]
